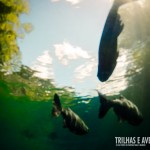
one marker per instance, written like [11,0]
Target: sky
[63,44]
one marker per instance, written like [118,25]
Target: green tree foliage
[10,25]
[20,79]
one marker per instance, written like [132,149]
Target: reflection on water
[132,46]
[72,69]
[75,68]
[127,67]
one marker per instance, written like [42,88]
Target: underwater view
[74,74]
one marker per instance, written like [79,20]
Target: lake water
[26,122]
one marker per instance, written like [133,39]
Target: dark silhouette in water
[123,108]
[108,52]
[71,119]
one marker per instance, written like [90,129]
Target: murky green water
[27,124]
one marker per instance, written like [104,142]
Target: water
[26,100]
[27,124]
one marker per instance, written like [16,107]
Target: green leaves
[11,29]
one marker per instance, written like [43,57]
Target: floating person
[123,108]
[71,120]
[108,53]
